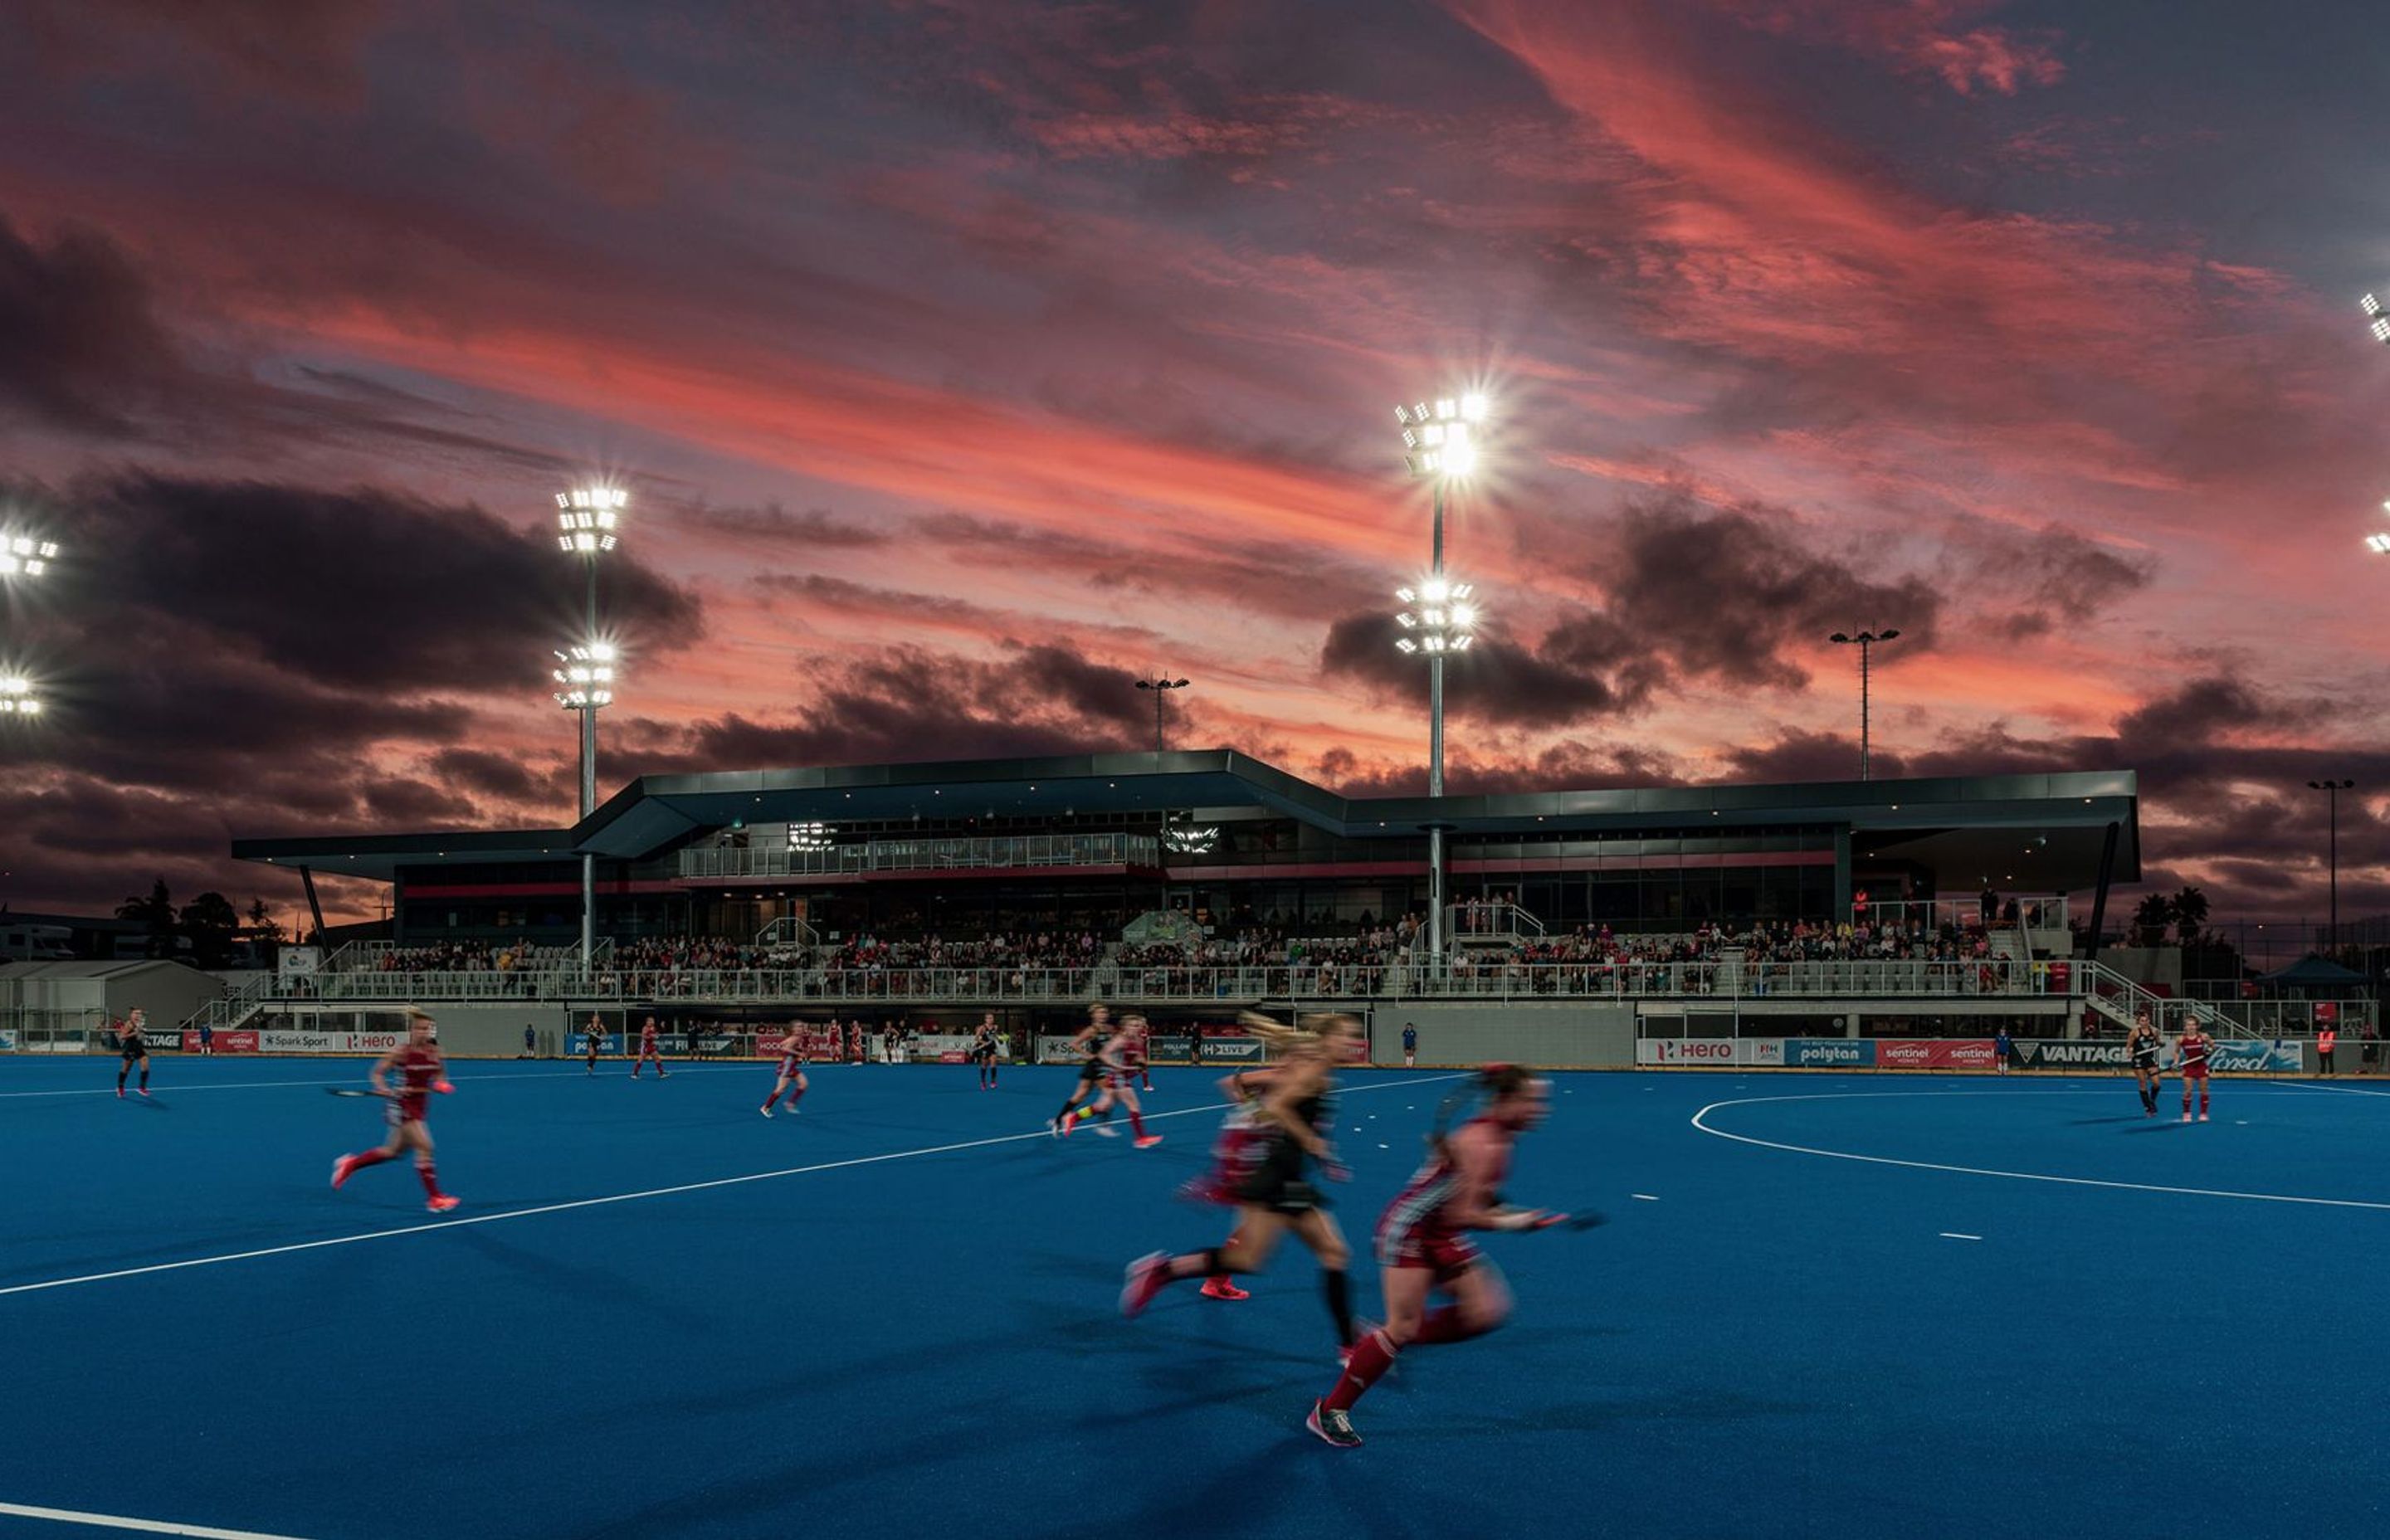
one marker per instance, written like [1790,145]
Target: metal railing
[959,855]
[1729,978]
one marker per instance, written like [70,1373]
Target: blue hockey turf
[905,1324]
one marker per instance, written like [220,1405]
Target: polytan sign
[1902,1052]
[1830,1053]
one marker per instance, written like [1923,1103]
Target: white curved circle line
[1985,1171]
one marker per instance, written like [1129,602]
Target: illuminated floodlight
[2373,306]
[586,519]
[815,836]
[18,697]
[587,674]
[1191,838]
[22,556]
[1442,619]
[1439,437]
[2378,544]
[1473,406]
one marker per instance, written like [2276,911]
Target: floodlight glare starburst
[586,519]
[587,675]
[23,555]
[1441,619]
[18,697]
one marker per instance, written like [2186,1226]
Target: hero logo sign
[1696,1050]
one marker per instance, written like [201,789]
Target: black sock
[120,1080]
[1339,1288]
[1063,1113]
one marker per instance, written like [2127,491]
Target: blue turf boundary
[1780,1344]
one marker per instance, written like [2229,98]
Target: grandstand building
[1091,842]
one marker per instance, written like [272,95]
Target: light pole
[1440,444]
[2332,789]
[1161,687]
[1865,640]
[585,520]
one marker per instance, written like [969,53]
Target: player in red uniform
[592,1034]
[1119,1059]
[1263,1168]
[2190,1052]
[1423,1242]
[421,1070]
[854,1040]
[648,1050]
[792,1068]
[132,1050]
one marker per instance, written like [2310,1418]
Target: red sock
[368,1157]
[768,1100]
[430,1180]
[2203,1098]
[796,1095]
[1136,1123]
[1371,1358]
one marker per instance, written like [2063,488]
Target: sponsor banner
[7,1041]
[1830,1053]
[953,1056]
[1902,1052]
[287,1040]
[1684,1050]
[608,1043]
[299,961]
[1175,1047]
[2051,1054]
[1763,1050]
[1231,1050]
[2259,1057]
[1056,1050]
[770,1042]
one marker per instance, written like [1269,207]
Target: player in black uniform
[1089,1042]
[2142,1042]
[1276,1194]
[132,1051]
[983,1050]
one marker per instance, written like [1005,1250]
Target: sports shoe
[1065,1123]
[664,1074]
[1104,1131]
[145,1090]
[1144,1281]
[120,1093]
[766,1111]
[442,1203]
[1146,1141]
[1222,1289]
[341,1170]
[1332,1425]
[2202,1117]
[2186,1114]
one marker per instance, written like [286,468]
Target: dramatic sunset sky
[966,359]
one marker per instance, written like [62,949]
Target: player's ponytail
[1493,1081]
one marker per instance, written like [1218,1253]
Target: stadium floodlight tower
[1439,617]
[1864,641]
[586,518]
[2331,787]
[18,699]
[1161,689]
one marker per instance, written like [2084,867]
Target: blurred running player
[1264,1167]
[131,1050]
[792,1070]
[1423,1244]
[421,1070]
[1120,1058]
[591,1037]
[1085,1042]
[648,1050]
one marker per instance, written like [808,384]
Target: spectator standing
[530,1042]
[2003,1050]
[2327,1040]
[2369,1047]
[207,1036]
[1411,1046]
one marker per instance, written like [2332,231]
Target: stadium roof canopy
[1991,824]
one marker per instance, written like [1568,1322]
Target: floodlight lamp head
[2373,306]
[1887,634]
[2378,544]
[1403,643]
[1474,406]
[1838,637]
[2381,328]
[1460,459]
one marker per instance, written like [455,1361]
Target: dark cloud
[908,704]
[2053,575]
[1729,594]
[1583,668]
[503,777]
[303,48]
[361,589]
[80,348]
[1265,576]
[1568,765]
